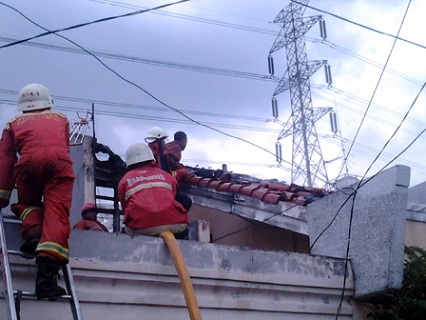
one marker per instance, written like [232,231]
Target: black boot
[30,245]
[46,285]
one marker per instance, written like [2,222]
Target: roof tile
[248,189]
[224,186]
[271,198]
[264,190]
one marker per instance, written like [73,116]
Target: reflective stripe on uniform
[27,211]
[148,185]
[54,247]
[5,194]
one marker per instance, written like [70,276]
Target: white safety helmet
[137,153]
[34,97]
[155,133]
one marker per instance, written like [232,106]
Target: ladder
[13,297]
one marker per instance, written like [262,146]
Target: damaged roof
[268,191]
[270,202]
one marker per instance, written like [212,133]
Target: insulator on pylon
[327,70]
[271,65]
[278,152]
[323,30]
[274,108]
[333,122]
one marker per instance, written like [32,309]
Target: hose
[185,280]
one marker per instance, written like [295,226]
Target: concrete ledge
[120,277]
[416,212]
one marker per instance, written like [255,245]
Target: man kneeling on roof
[148,197]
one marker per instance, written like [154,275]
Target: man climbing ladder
[44,178]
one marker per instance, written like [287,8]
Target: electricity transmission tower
[307,160]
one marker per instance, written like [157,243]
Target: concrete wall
[120,277]
[231,229]
[84,187]
[415,234]
[375,218]
[415,229]
[417,193]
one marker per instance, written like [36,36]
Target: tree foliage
[409,302]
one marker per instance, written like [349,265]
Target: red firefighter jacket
[173,154]
[30,136]
[92,225]
[147,196]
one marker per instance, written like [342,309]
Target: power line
[361,25]
[397,128]
[359,184]
[146,91]
[123,79]
[383,120]
[377,85]
[143,107]
[155,62]
[116,114]
[335,46]
[203,69]
[192,18]
[83,24]
[358,147]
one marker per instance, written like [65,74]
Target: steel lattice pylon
[307,161]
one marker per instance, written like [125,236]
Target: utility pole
[307,161]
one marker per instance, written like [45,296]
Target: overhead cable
[361,25]
[192,18]
[377,84]
[354,194]
[83,24]
[146,91]
[156,62]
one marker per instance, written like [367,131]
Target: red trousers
[44,201]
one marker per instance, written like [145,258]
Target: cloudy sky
[201,66]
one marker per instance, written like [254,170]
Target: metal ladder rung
[13,297]
[31,294]
[22,254]
[9,220]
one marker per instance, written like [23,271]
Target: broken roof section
[267,201]
[269,191]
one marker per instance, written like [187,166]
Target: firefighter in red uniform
[147,195]
[155,138]
[173,153]
[34,155]
[89,221]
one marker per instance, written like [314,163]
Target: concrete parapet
[374,216]
[122,277]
